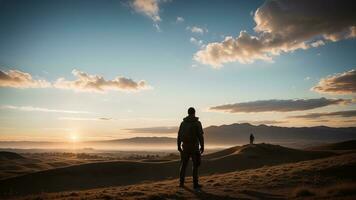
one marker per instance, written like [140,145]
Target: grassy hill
[326,178]
[105,174]
[346,145]
[6,155]
[14,164]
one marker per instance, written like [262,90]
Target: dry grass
[37,162]
[325,178]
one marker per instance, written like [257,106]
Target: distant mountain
[225,135]
[102,144]
[139,140]
[239,133]
[30,144]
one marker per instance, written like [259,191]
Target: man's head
[191,111]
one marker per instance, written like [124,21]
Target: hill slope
[104,174]
[6,155]
[346,145]
[327,178]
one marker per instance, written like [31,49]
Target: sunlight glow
[73,137]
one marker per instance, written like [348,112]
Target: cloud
[160,129]
[197,42]
[275,105]
[179,20]
[19,79]
[150,8]
[266,122]
[38,109]
[348,113]
[317,43]
[342,83]
[85,119]
[105,118]
[196,29]
[84,82]
[96,83]
[157,27]
[284,26]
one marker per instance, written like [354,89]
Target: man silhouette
[191,135]
[252,138]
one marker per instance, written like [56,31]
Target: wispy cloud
[159,129]
[95,83]
[19,79]
[179,20]
[38,109]
[277,105]
[105,118]
[266,122]
[195,41]
[150,8]
[85,118]
[347,113]
[196,29]
[284,26]
[343,83]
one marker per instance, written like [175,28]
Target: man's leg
[196,158]
[184,159]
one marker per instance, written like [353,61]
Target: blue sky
[48,39]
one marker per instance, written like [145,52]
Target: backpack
[189,133]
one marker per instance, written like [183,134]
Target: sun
[73,137]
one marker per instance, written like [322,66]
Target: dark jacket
[190,133]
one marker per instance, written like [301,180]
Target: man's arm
[179,138]
[201,137]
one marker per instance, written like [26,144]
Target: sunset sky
[117,69]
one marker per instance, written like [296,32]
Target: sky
[99,70]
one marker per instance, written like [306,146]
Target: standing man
[252,138]
[191,135]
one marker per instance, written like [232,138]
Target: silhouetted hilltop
[6,155]
[256,155]
[222,153]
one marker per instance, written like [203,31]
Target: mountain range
[228,135]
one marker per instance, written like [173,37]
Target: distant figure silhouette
[252,138]
[191,135]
